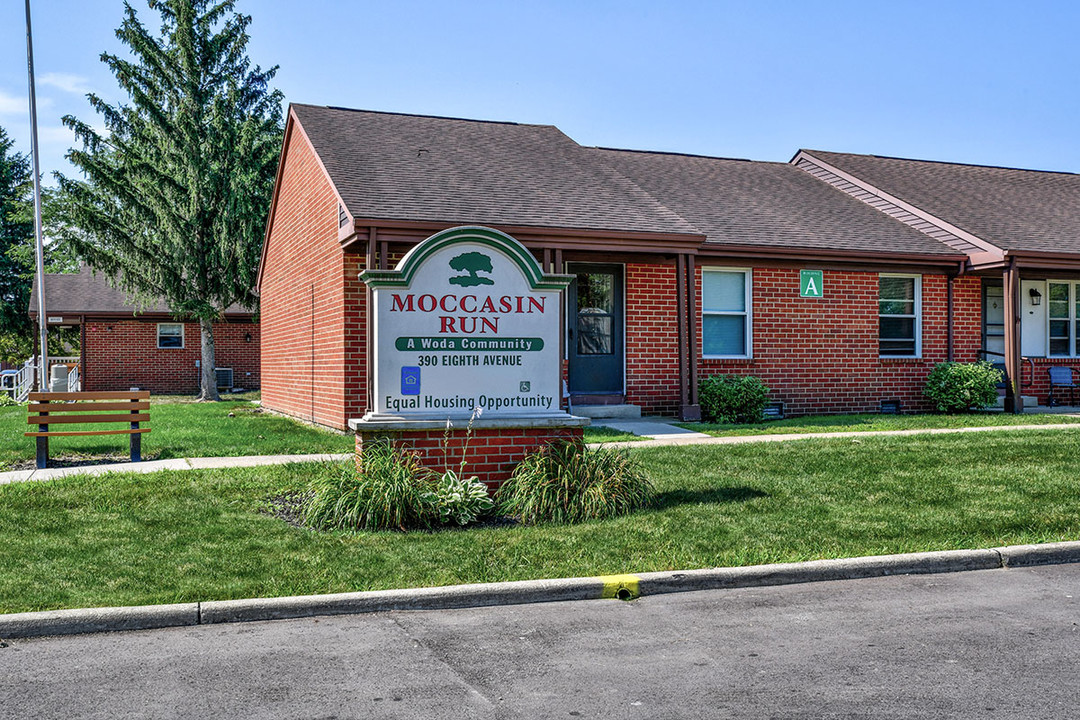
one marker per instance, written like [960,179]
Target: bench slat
[64,419]
[87,406]
[97,395]
[87,432]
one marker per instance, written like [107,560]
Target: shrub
[565,483]
[8,401]
[732,398]
[389,490]
[959,387]
[460,500]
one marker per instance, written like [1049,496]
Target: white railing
[24,380]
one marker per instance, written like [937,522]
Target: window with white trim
[725,313]
[170,335]
[1063,309]
[899,315]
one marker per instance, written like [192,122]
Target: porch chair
[1061,377]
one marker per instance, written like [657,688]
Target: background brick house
[150,348]
[685,266]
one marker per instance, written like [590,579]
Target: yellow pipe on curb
[623,587]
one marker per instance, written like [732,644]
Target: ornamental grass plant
[566,483]
[386,489]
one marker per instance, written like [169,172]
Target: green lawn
[180,428]
[603,434]
[200,535]
[875,422]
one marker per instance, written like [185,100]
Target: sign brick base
[491,452]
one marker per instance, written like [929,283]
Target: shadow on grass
[714,496]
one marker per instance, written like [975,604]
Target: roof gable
[1012,209]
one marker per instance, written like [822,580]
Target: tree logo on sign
[472,263]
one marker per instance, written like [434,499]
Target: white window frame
[179,325]
[1073,287]
[918,314]
[748,285]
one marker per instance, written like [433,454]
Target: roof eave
[554,237]
[750,252]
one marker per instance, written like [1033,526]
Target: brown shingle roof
[420,168]
[89,293]
[1013,209]
[777,205]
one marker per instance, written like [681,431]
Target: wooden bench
[69,408]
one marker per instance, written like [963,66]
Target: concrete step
[621,412]
[1030,401]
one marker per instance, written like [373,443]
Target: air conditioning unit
[224,378]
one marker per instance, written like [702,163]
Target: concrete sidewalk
[673,435]
[150,466]
[658,431]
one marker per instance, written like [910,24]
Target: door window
[595,313]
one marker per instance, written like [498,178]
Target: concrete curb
[71,622]
[92,620]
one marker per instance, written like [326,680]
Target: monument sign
[466,320]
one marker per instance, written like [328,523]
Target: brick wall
[820,355]
[121,354]
[493,453]
[310,302]
[652,351]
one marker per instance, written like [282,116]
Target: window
[899,321]
[1063,308]
[170,335]
[725,313]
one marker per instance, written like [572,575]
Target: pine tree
[176,194]
[16,236]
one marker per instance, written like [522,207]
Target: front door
[595,329]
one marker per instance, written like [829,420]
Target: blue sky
[981,82]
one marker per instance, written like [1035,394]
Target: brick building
[838,279]
[148,348]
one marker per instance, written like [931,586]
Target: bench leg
[136,444]
[42,449]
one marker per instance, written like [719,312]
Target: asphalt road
[984,644]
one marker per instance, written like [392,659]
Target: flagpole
[43,381]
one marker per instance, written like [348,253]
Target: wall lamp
[247,336]
[1036,297]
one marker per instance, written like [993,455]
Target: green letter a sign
[811,284]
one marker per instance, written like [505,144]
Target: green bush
[458,499]
[565,483]
[8,401]
[390,490]
[955,387]
[732,398]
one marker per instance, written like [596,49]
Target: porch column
[684,370]
[691,410]
[371,261]
[1014,401]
